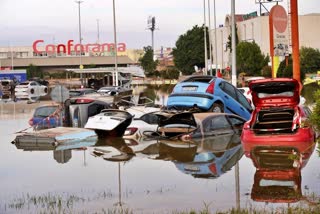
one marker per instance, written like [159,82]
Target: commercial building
[58,57]
[251,27]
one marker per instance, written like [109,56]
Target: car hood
[275,92]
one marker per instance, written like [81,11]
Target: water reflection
[61,153]
[278,172]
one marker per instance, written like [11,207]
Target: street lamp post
[80,41]
[205,39]
[115,43]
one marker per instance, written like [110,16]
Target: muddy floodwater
[36,179]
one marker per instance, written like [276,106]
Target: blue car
[45,117]
[209,93]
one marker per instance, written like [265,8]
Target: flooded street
[156,179]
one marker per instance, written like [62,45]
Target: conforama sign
[67,48]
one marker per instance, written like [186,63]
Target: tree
[170,73]
[147,62]
[189,50]
[229,43]
[309,60]
[34,71]
[315,116]
[250,59]
[285,70]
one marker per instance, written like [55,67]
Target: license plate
[190,88]
[191,168]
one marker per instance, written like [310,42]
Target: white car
[30,88]
[247,93]
[145,120]
[109,90]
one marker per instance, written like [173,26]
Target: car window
[45,111]
[95,109]
[235,121]
[33,84]
[216,123]
[243,100]
[150,118]
[228,89]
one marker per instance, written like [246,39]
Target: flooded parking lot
[160,176]
[147,176]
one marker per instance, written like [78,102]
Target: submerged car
[277,119]
[189,125]
[209,93]
[45,117]
[79,109]
[145,120]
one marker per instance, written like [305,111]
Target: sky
[56,21]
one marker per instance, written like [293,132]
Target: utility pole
[115,44]
[98,32]
[205,39]
[233,27]
[152,26]
[80,42]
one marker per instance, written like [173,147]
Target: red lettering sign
[87,48]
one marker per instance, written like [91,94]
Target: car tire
[32,91]
[217,107]
[46,90]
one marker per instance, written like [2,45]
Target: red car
[278,119]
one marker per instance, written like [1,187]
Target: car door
[231,96]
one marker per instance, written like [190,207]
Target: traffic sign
[60,94]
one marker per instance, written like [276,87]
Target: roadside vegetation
[52,203]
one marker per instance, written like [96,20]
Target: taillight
[130,131]
[83,101]
[213,168]
[210,88]
[31,122]
[246,126]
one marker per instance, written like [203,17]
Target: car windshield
[45,111]
[24,83]
[74,93]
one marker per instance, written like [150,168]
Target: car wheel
[217,108]
[46,90]
[32,91]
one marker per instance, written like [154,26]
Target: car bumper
[202,101]
[303,139]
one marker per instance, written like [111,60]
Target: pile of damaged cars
[205,128]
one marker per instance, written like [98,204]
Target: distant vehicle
[40,81]
[278,119]
[247,93]
[7,86]
[30,87]
[45,117]
[187,126]
[110,90]
[209,93]
[81,92]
